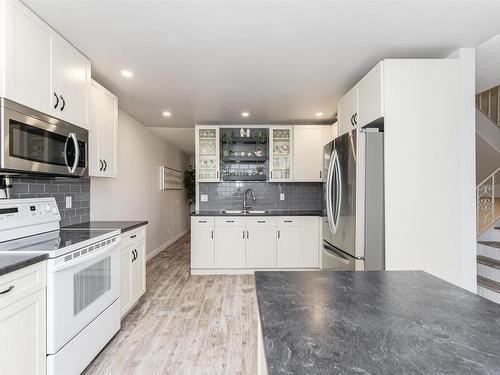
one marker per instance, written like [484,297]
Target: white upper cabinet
[27,57]
[308,153]
[281,154]
[363,104]
[103,132]
[207,154]
[370,97]
[39,68]
[71,75]
[347,111]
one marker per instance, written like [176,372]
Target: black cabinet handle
[261,221]
[355,119]
[320,174]
[229,221]
[10,288]
[278,234]
[105,165]
[57,101]
[212,235]
[248,235]
[288,221]
[271,174]
[101,165]
[202,221]
[243,234]
[352,120]
[64,103]
[133,236]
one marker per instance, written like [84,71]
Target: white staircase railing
[488,102]
[488,201]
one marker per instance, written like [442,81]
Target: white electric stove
[83,279]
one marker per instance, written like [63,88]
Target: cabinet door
[288,248]
[94,151]
[309,241]
[126,280]
[308,153]
[139,271]
[202,247]
[23,333]
[207,154]
[370,106]
[108,132]
[347,110]
[72,82]
[229,247]
[28,58]
[261,247]
[281,154]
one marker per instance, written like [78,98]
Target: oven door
[78,291]
[35,143]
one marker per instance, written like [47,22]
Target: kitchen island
[387,322]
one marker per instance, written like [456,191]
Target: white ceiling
[488,64]
[182,138]
[207,61]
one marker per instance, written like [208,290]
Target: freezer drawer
[336,260]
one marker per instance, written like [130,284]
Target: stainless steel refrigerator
[353,209]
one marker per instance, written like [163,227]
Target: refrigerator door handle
[338,191]
[329,208]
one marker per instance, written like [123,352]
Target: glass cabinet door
[280,152]
[208,154]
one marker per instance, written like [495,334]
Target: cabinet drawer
[289,221]
[230,221]
[22,283]
[266,221]
[202,221]
[133,236]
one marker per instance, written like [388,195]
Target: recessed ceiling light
[319,114]
[167,114]
[127,73]
[245,114]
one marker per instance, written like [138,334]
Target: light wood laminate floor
[185,324]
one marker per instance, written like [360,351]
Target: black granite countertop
[392,322]
[123,226]
[269,213]
[12,262]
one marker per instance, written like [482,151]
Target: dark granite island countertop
[10,262]
[396,322]
[123,226]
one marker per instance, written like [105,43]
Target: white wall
[430,167]
[135,194]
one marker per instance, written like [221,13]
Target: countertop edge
[17,265]
[270,213]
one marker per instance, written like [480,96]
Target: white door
[108,132]
[72,80]
[230,247]
[202,247]
[308,153]
[261,247]
[207,154]
[309,241]
[288,249]
[347,111]
[126,256]
[23,323]
[281,154]
[138,271]
[28,60]
[370,106]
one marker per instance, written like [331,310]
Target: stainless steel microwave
[33,143]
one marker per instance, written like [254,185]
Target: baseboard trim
[158,250]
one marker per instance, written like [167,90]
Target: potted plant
[189,184]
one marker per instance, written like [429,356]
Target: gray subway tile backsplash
[59,188]
[229,195]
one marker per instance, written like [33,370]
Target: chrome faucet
[246,206]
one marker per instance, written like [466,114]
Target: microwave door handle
[77,152]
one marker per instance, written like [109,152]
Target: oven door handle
[84,258]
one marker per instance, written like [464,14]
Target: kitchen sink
[249,212]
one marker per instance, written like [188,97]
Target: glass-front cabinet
[280,154]
[207,154]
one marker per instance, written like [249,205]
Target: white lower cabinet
[133,268]
[243,244]
[23,321]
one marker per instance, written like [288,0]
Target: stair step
[488,284]
[485,261]
[490,243]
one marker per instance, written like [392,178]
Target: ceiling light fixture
[319,114]
[127,73]
[167,114]
[245,114]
